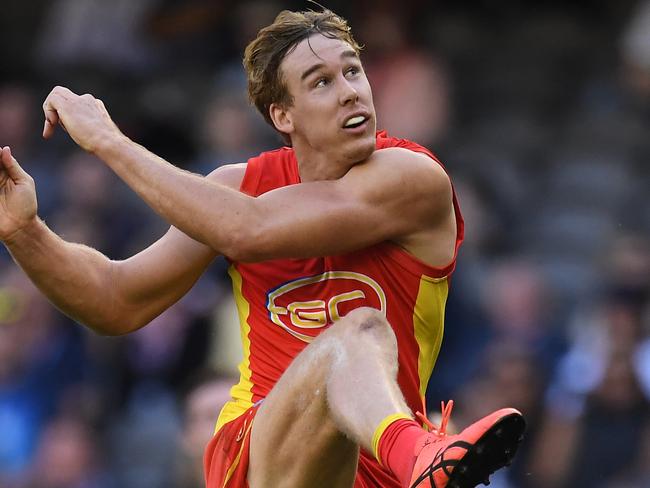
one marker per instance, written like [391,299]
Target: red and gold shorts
[227,456]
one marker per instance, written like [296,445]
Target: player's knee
[365,330]
[366,318]
[372,323]
[361,325]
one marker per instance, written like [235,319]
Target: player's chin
[361,148]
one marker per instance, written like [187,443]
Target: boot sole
[495,449]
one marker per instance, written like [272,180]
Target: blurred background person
[207,393]
[39,359]
[69,456]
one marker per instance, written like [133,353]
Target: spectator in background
[512,306]
[176,344]
[18,106]
[639,475]
[509,375]
[229,131]
[69,456]
[520,310]
[410,87]
[207,395]
[599,386]
[38,360]
[635,46]
[94,34]
[88,201]
[606,428]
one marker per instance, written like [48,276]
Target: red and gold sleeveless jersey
[284,304]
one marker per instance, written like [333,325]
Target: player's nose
[348,93]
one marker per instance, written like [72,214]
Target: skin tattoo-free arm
[393,195]
[112,297]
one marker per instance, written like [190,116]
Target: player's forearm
[75,278]
[213,214]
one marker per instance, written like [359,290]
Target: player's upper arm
[394,194]
[152,280]
[230,175]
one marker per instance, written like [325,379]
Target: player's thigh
[295,442]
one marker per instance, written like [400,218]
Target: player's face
[332,110]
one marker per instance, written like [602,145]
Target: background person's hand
[17,196]
[83,117]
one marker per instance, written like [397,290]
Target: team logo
[305,306]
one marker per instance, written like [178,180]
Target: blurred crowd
[541,114]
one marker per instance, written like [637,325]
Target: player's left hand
[83,117]
[18,203]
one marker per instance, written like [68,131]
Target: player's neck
[319,166]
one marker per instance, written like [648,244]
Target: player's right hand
[17,196]
[83,117]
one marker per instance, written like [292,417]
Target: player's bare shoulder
[412,180]
[412,167]
[415,194]
[230,175]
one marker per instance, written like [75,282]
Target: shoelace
[444,420]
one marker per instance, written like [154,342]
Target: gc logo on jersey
[304,306]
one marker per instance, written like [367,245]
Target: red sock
[396,446]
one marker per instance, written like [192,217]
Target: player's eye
[321,82]
[353,70]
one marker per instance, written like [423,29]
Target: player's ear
[281,118]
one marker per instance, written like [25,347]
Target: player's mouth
[356,123]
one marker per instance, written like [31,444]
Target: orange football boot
[467,459]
